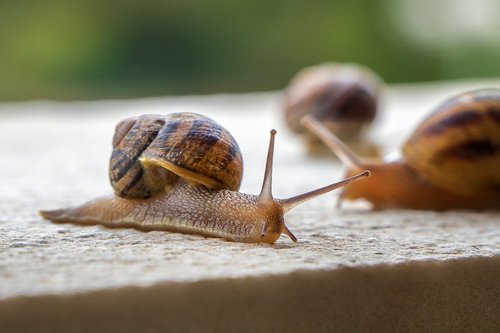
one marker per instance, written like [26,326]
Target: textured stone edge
[461,295]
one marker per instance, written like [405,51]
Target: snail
[181,173]
[451,161]
[344,97]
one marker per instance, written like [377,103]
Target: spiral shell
[458,146]
[344,97]
[151,151]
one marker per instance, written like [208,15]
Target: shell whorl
[151,151]
[457,147]
[344,97]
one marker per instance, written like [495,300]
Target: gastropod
[344,97]
[450,161]
[181,173]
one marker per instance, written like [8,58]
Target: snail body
[343,97]
[451,161]
[158,186]
[186,209]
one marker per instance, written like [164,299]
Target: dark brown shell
[343,97]
[151,151]
[458,146]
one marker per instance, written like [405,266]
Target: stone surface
[55,154]
[438,296]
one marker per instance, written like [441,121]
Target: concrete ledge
[452,296]
[352,270]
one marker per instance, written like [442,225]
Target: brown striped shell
[458,146]
[344,97]
[151,151]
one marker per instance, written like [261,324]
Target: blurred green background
[90,49]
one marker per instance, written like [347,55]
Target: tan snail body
[154,170]
[343,97]
[451,161]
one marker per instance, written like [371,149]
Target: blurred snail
[452,159]
[181,173]
[343,97]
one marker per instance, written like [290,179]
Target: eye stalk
[276,208]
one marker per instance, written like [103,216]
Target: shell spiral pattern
[152,151]
[457,147]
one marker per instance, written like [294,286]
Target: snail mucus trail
[194,208]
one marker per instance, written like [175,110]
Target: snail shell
[151,152]
[457,147]
[344,97]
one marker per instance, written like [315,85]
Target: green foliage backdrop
[113,49]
